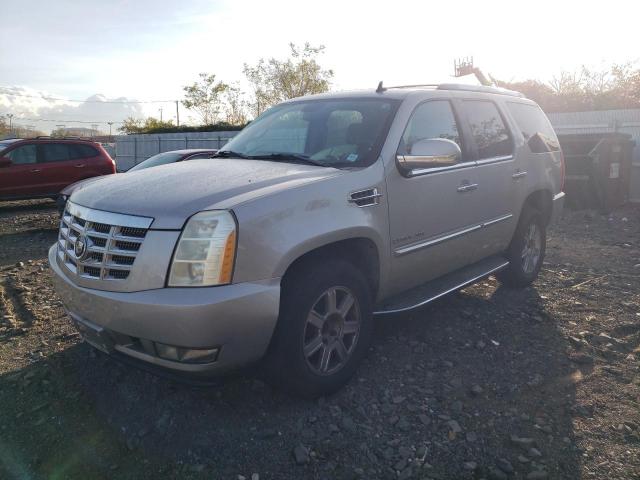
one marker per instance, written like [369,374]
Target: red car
[41,167]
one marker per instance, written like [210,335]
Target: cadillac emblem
[80,247]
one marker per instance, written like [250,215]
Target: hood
[69,189]
[172,193]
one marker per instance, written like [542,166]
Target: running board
[439,287]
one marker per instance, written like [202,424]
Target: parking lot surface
[486,383]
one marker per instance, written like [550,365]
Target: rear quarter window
[82,151]
[535,127]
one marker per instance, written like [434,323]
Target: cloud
[42,109]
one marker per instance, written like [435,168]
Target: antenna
[380,88]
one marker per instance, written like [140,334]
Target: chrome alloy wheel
[532,248]
[331,330]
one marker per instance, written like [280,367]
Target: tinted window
[336,132]
[81,151]
[54,152]
[199,156]
[159,159]
[488,129]
[23,155]
[433,119]
[532,121]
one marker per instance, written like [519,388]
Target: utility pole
[94,131]
[110,136]
[160,114]
[177,114]
[10,115]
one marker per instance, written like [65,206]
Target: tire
[61,204]
[307,321]
[530,234]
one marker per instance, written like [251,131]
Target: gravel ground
[486,383]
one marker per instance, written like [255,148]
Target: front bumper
[557,207]
[237,319]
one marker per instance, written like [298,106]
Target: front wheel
[526,251]
[324,329]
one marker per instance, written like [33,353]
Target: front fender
[276,230]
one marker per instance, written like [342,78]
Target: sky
[147,50]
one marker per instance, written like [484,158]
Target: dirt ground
[486,383]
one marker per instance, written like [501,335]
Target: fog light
[186,355]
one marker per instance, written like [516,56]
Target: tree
[205,97]
[235,106]
[276,80]
[136,125]
[615,87]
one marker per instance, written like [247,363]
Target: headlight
[206,251]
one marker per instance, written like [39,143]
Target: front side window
[533,122]
[333,132]
[54,152]
[432,119]
[23,155]
[488,129]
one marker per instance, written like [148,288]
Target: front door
[434,214]
[22,177]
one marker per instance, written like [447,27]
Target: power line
[63,120]
[124,102]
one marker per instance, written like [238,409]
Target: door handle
[79,165]
[35,170]
[467,187]
[518,175]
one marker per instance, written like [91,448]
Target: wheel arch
[541,200]
[361,251]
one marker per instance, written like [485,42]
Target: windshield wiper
[292,157]
[228,154]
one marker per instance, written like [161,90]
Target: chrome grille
[111,242]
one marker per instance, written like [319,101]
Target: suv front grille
[94,249]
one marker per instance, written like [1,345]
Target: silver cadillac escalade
[323,212]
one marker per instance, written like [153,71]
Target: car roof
[403,91]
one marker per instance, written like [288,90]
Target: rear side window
[54,152]
[23,155]
[433,119]
[81,151]
[533,122]
[489,132]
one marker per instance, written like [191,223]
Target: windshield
[335,132]
[159,159]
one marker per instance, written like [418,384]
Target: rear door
[62,164]
[22,177]
[496,164]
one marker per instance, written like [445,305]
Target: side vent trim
[365,198]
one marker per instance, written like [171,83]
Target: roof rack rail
[418,85]
[65,137]
[456,86]
[478,88]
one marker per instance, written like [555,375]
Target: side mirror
[5,162]
[429,153]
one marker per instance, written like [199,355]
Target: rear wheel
[526,251]
[324,329]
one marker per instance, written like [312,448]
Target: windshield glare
[159,159]
[336,132]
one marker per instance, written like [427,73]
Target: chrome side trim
[110,218]
[450,236]
[488,161]
[497,220]
[458,166]
[446,292]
